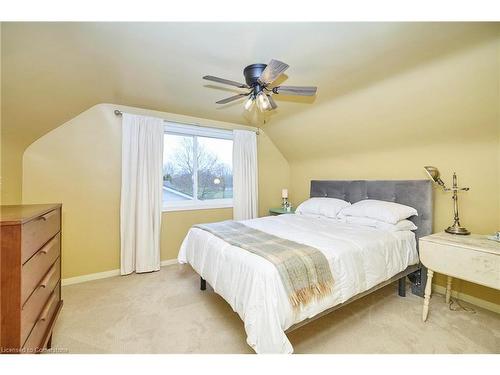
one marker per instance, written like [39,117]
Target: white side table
[473,258]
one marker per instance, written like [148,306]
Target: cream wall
[79,165]
[11,176]
[440,107]
[11,150]
[444,114]
[498,121]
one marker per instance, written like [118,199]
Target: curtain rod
[119,113]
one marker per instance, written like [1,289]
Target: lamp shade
[249,104]
[284,193]
[434,174]
[263,102]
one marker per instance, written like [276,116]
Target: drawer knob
[47,247]
[47,215]
[46,308]
[47,277]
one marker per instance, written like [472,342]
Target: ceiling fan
[259,79]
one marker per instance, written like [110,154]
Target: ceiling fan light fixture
[260,80]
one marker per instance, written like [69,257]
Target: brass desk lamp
[434,175]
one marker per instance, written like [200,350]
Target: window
[197,167]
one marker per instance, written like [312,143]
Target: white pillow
[388,212]
[400,226]
[329,207]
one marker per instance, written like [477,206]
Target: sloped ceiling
[53,71]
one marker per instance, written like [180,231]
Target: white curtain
[141,193]
[244,175]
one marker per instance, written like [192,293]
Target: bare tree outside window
[212,170]
[178,167]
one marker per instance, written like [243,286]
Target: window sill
[198,206]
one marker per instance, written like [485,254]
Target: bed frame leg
[402,287]
[418,280]
[203,283]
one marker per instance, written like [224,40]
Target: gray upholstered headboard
[414,193]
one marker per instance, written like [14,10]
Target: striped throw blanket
[304,270]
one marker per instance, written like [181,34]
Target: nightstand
[280,211]
[473,258]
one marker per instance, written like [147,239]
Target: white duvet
[359,256]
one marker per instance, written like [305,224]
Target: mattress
[360,257]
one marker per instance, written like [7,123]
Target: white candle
[284,193]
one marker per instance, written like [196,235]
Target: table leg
[428,292]
[448,289]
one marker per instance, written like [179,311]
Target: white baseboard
[467,298]
[89,277]
[105,274]
[169,262]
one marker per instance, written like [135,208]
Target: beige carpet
[165,312]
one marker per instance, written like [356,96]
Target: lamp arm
[440,183]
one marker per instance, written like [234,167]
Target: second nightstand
[280,211]
[473,258]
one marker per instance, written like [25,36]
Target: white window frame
[196,131]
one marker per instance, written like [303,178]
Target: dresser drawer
[37,266]
[37,232]
[32,308]
[43,322]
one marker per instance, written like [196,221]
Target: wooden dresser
[30,276]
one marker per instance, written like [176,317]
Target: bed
[362,260]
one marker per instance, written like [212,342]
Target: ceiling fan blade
[272,71]
[273,103]
[296,90]
[231,98]
[226,82]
